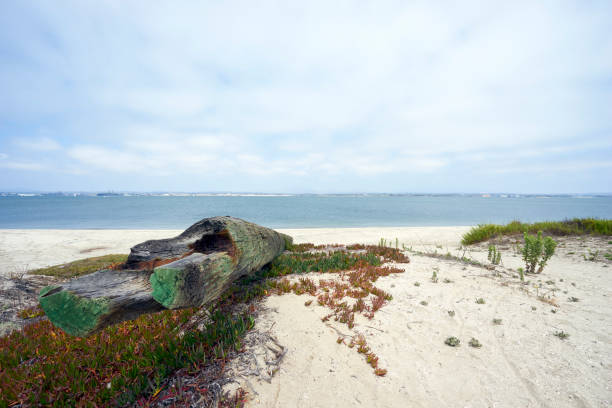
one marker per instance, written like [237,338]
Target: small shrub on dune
[537,251]
[494,255]
[452,342]
[561,334]
[475,343]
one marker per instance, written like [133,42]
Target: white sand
[521,363]
[22,250]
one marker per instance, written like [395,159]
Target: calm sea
[301,211]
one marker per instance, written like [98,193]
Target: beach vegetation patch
[82,266]
[452,341]
[475,343]
[42,365]
[131,362]
[576,226]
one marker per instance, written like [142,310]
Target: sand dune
[521,362]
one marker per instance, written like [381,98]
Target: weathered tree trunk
[192,269]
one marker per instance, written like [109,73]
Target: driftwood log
[192,269]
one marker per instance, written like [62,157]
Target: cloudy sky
[346,96]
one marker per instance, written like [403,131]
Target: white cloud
[312,89]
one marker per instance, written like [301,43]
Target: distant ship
[108,194]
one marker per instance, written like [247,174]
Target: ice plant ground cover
[129,362]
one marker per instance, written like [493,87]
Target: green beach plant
[537,251]
[593,255]
[452,341]
[561,334]
[576,226]
[434,275]
[494,255]
[475,343]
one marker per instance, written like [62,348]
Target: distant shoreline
[292,211]
[230,194]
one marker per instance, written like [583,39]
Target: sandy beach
[26,249]
[521,362]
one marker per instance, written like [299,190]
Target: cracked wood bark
[192,269]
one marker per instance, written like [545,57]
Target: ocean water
[299,211]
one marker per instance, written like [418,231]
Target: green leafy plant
[593,255]
[452,341]
[561,334]
[475,343]
[451,313]
[424,302]
[537,251]
[434,274]
[494,255]
[480,301]
[521,272]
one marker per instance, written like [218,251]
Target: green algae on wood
[192,269]
[85,305]
[191,281]
[228,249]
[75,315]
